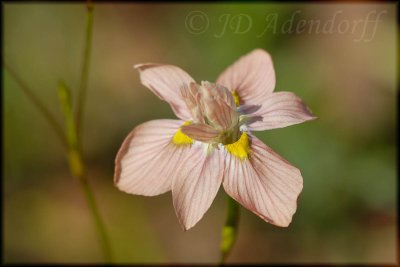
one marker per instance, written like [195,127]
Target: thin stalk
[229,231]
[38,104]
[85,67]
[101,230]
[77,168]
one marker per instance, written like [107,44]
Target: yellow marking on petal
[180,138]
[236,98]
[240,148]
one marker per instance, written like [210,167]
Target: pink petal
[265,183]
[197,184]
[218,91]
[166,81]
[147,160]
[252,76]
[200,132]
[192,97]
[280,110]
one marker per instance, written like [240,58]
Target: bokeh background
[346,212]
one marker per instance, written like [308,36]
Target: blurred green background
[346,212]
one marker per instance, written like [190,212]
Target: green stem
[229,231]
[101,230]
[38,104]
[85,67]
[77,168]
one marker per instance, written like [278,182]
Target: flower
[212,143]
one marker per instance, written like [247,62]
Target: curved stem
[85,67]
[229,231]
[74,135]
[71,139]
[38,104]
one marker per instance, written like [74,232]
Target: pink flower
[212,143]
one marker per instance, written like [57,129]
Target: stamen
[180,138]
[240,148]
[236,98]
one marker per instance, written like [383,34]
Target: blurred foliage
[346,212]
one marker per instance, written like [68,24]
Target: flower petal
[147,160]
[166,81]
[265,183]
[200,132]
[279,110]
[252,77]
[191,96]
[197,184]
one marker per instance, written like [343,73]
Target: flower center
[213,108]
[215,119]
[240,148]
